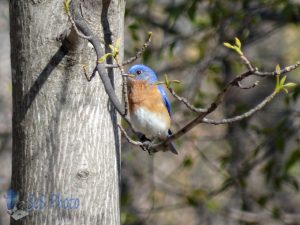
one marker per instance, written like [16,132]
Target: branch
[89,78]
[247,63]
[84,31]
[128,138]
[137,55]
[219,99]
[185,101]
[124,84]
[83,27]
[274,73]
[244,115]
[75,27]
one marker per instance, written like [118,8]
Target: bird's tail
[172,148]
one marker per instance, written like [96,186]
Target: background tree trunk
[65,139]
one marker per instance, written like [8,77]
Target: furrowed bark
[65,136]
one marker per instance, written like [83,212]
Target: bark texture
[65,139]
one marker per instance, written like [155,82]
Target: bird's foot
[148,145]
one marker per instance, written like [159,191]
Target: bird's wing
[165,98]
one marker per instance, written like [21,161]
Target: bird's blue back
[143,72]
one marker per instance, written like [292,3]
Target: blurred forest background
[243,173]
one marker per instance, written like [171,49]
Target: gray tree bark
[66,145]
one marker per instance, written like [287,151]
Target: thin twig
[128,138]
[274,73]
[137,55]
[75,27]
[81,24]
[244,115]
[125,94]
[124,86]
[89,78]
[185,101]
[247,63]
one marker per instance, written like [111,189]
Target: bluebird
[149,106]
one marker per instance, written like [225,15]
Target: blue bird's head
[142,72]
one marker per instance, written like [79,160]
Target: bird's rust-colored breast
[141,94]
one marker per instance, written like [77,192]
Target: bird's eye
[138,72]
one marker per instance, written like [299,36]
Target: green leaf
[278,70]
[236,47]
[238,50]
[103,58]
[175,81]
[167,81]
[278,87]
[67,5]
[159,82]
[238,43]
[290,85]
[277,80]
[115,48]
[226,44]
[111,47]
[282,80]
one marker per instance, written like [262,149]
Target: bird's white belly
[150,124]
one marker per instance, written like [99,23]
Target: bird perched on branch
[149,106]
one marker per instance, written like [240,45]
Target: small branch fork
[136,56]
[83,31]
[201,118]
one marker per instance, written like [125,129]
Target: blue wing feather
[165,98]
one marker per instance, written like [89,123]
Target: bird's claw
[147,146]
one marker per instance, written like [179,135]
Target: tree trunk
[66,146]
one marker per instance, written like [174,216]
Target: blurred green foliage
[252,166]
